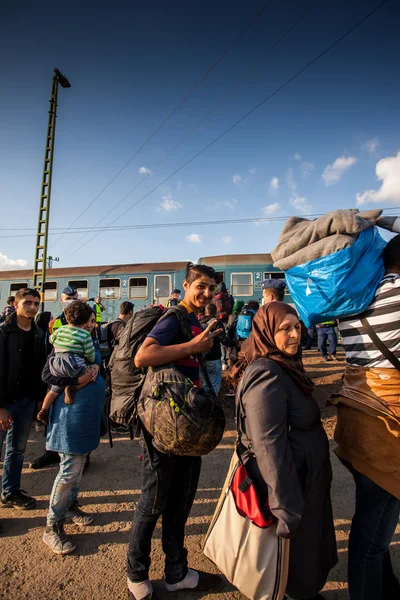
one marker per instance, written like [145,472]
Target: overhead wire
[177,107]
[233,88]
[255,220]
[250,112]
[56,230]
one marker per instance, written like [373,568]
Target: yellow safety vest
[99,314]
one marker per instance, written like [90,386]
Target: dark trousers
[16,437]
[326,334]
[370,572]
[169,485]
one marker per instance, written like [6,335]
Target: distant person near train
[174,298]
[99,308]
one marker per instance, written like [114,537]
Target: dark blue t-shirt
[168,332]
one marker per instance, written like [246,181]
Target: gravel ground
[29,570]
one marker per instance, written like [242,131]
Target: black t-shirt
[27,363]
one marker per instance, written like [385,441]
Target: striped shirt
[73,339]
[383,315]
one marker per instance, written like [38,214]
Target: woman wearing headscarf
[282,427]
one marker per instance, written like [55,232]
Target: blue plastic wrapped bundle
[344,268]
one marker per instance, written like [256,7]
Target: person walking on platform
[326,334]
[273,290]
[99,308]
[22,357]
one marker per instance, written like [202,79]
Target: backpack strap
[388,354]
[182,316]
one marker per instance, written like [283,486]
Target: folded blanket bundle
[332,264]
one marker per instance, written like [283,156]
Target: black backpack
[126,379]
[104,336]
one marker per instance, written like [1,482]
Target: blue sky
[330,135]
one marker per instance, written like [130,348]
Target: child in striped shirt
[73,356]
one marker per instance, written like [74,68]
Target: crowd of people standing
[282,427]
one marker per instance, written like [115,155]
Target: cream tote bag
[243,544]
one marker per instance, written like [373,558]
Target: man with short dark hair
[273,290]
[125,314]
[22,357]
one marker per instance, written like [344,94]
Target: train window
[110,289]
[242,284]
[279,275]
[138,287]
[14,287]
[50,291]
[82,287]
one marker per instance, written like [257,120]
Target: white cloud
[236,179]
[9,264]
[301,204]
[231,204]
[306,168]
[388,171]
[332,173]
[194,238]
[252,171]
[371,145]
[227,239]
[144,171]
[274,185]
[271,209]
[168,204]
[297,156]
[290,181]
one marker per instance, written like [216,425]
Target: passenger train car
[143,283]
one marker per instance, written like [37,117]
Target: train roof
[105,270]
[236,259]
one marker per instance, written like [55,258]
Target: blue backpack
[244,324]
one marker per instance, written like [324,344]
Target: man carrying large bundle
[368,432]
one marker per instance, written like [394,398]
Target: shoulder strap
[388,354]
[182,316]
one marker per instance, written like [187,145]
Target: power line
[171,113]
[254,220]
[353,28]
[237,84]
[56,230]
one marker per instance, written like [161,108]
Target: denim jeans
[326,334]
[214,370]
[66,364]
[169,485]
[22,412]
[66,486]
[370,573]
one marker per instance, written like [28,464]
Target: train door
[162,289]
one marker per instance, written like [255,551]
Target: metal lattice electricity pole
[40,261]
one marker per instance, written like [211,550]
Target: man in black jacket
[22,357]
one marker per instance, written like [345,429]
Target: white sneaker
[224,367]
